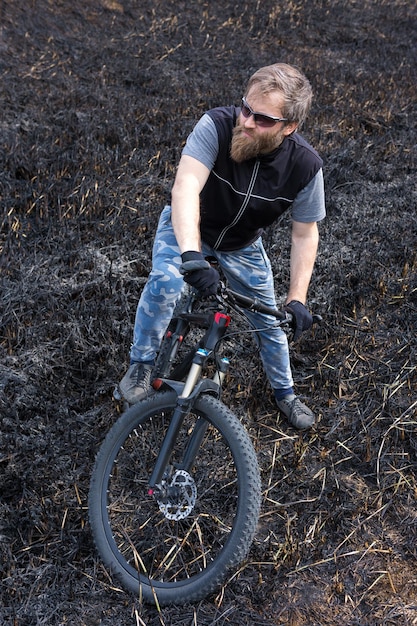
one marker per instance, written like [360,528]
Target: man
[240,169]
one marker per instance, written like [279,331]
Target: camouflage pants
[247,270]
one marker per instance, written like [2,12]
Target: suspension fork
[201,424]
[184,402]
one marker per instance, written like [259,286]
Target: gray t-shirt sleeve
[203,142]
[309,204]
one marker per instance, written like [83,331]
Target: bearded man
[240,170]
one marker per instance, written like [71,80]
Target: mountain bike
[175,491]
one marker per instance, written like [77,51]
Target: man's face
[251,139]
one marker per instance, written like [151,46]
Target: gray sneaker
[136,383]
[297,413]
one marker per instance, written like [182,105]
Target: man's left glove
[302,318]
[199,273]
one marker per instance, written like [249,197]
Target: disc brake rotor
[181,498]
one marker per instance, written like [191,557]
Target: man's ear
[290,128]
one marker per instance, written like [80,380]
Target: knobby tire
[161,560]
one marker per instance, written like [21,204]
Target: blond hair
[291,83]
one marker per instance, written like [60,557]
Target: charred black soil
[97,99]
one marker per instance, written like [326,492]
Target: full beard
[243,148]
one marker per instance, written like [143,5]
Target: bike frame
[193,387]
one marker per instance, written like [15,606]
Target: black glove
[199,273]
[302,318]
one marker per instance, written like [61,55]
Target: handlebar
[237,299]
[254,305]
[228,297]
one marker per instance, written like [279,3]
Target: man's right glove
[302,318]
[199,273]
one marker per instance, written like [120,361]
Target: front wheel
[179,547]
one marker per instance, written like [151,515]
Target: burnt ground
[97,98]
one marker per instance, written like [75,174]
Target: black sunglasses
[260,118]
